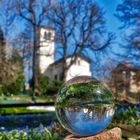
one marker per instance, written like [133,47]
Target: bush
[127,116]
[54,86]
[1,91]
[32,134]
[14,88]
[43,84]
[46,86]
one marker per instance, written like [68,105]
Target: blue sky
[112,24]
[109,6]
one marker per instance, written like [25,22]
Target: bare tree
[128,12]
[79,25]
[10,69]
[7,18]
[24,43]
[2,52]
[10,63]
[34,13]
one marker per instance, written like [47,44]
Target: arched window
[79,62]
[47,36]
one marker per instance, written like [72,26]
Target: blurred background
[44,43]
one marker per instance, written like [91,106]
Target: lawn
[25,99]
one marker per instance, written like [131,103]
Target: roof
[125,66]
[79,56]
[48,27]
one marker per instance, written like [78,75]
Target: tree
[128,12]
[2,56]
[79,25]
[33,12]
[10,67]
[7,16]
[24,42]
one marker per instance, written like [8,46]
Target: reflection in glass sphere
[84,106]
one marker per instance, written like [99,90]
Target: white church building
[53,69]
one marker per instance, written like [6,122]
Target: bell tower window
[47,36]
[79,62]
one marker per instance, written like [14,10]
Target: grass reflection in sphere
[84,106]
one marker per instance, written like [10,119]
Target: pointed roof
[125,66]
[48,27]
[79,56]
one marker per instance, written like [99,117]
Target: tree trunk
[35,61]
[65,70]
[64,74]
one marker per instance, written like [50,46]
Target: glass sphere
[84,106]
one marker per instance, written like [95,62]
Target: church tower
[47,48]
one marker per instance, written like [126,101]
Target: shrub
[127,116]
[14,88]
[1,91]
[32,134]
[43,84]
[47,86]
[54,86]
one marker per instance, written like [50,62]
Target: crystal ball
[84,106]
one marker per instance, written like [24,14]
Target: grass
[16,99]
[17,110]
[24,99]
